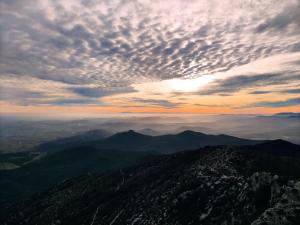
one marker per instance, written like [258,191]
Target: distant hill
[73,141]
[284,115]
[288,114]
[212,185]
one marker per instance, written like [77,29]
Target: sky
[154,56]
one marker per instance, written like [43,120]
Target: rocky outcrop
[284,205]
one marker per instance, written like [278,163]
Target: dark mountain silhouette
[73,141]
[213,185]
[187,140]
[133,141]
[128,140]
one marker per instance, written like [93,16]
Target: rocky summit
[210,186]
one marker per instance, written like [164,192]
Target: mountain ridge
[131,140]
[212,185]
[168,143]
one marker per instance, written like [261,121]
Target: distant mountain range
[134,141]
[241,185]
[186,140]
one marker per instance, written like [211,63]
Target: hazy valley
[138,176]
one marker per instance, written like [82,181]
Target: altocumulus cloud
[21,96]
[114,44]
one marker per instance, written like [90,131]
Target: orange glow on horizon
[72,110]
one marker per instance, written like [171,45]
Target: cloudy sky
[97,56]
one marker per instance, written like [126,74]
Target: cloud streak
[155,103]
[99,92]
[243,82]
[276,104]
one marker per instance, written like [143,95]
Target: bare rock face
[213,185]
[284,205]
